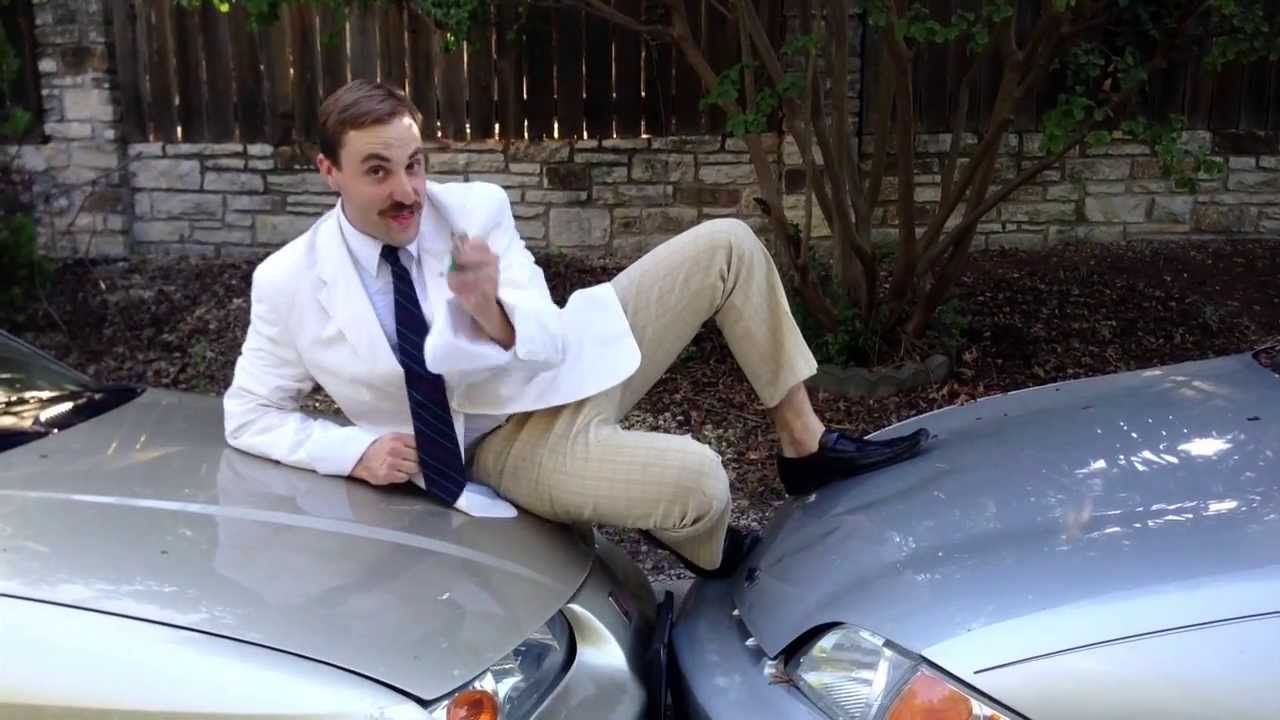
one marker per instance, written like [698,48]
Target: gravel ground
[1033,318]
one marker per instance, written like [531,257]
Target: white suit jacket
[312,322]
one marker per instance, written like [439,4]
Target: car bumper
[613,617]
[719,673]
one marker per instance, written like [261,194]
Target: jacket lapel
[344,298]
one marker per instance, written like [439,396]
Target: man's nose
[403,190]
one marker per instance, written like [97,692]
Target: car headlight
[852,674]
[515,686]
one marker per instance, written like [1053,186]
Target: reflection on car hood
[1044,520]
[145,512]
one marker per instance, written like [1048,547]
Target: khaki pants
[574,464]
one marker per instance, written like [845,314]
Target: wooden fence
[18,25]
[201,75]
[1238,98]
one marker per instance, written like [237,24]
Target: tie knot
[391,254]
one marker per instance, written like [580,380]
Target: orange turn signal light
[928,697]
[473,705]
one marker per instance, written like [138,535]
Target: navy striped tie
[439,456]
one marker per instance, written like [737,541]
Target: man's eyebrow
[375,157]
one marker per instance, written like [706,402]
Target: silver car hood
[1044,520]
[145,512]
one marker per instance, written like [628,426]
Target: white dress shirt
[375,275]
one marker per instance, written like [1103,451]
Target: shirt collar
[367,250]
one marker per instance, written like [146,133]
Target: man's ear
[328,170]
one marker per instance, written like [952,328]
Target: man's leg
[718,270]
[569,464]
[574,464]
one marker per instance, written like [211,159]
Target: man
[417,307]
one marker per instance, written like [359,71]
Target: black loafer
[738,544]
[840,456]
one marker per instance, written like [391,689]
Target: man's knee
[705,488]
[735,234]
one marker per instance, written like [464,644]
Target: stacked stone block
[1112,193]
[83,203]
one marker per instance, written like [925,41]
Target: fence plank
[510,71]
[276,70]
[422,72]
[452,84]
[931,86]
[598,83]
[306,77]
[1273,115]
[1026,112]
[539,68]
[723,49]
[391,65]
[364,42]
[658,108]
[481,106]
[191,97]
[333,49]
[1254,100]
[159,63]
[246,55]
[870,82]
[626,71]
[218,88]
[569,54]
[1200,82]
[1228,88]
[124,29]
[688,87]
[772,15]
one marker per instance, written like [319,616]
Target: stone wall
[1113,193]
[612,196]
[76,186]
[622,197]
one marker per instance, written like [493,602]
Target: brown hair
[359,104]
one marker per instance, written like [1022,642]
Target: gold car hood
[145,512]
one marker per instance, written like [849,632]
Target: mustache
[399,208]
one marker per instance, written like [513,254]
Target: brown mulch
[1033,318]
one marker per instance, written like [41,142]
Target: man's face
[382,180]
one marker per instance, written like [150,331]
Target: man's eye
[415,166]
[377,171]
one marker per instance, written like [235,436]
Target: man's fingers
[403,453]
[406,467]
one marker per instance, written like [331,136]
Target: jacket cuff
[536,323]
[337,451]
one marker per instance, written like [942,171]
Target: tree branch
[888,86]
[836,215]
[904,265]
[957,127]
[604,11]
[975,213]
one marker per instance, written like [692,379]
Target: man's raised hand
[391,459]
[473,280]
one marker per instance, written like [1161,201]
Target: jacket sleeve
[262,408]
[524,295]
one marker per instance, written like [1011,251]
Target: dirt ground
[1033,318]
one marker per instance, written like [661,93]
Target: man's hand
[473,279]
[391,459]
